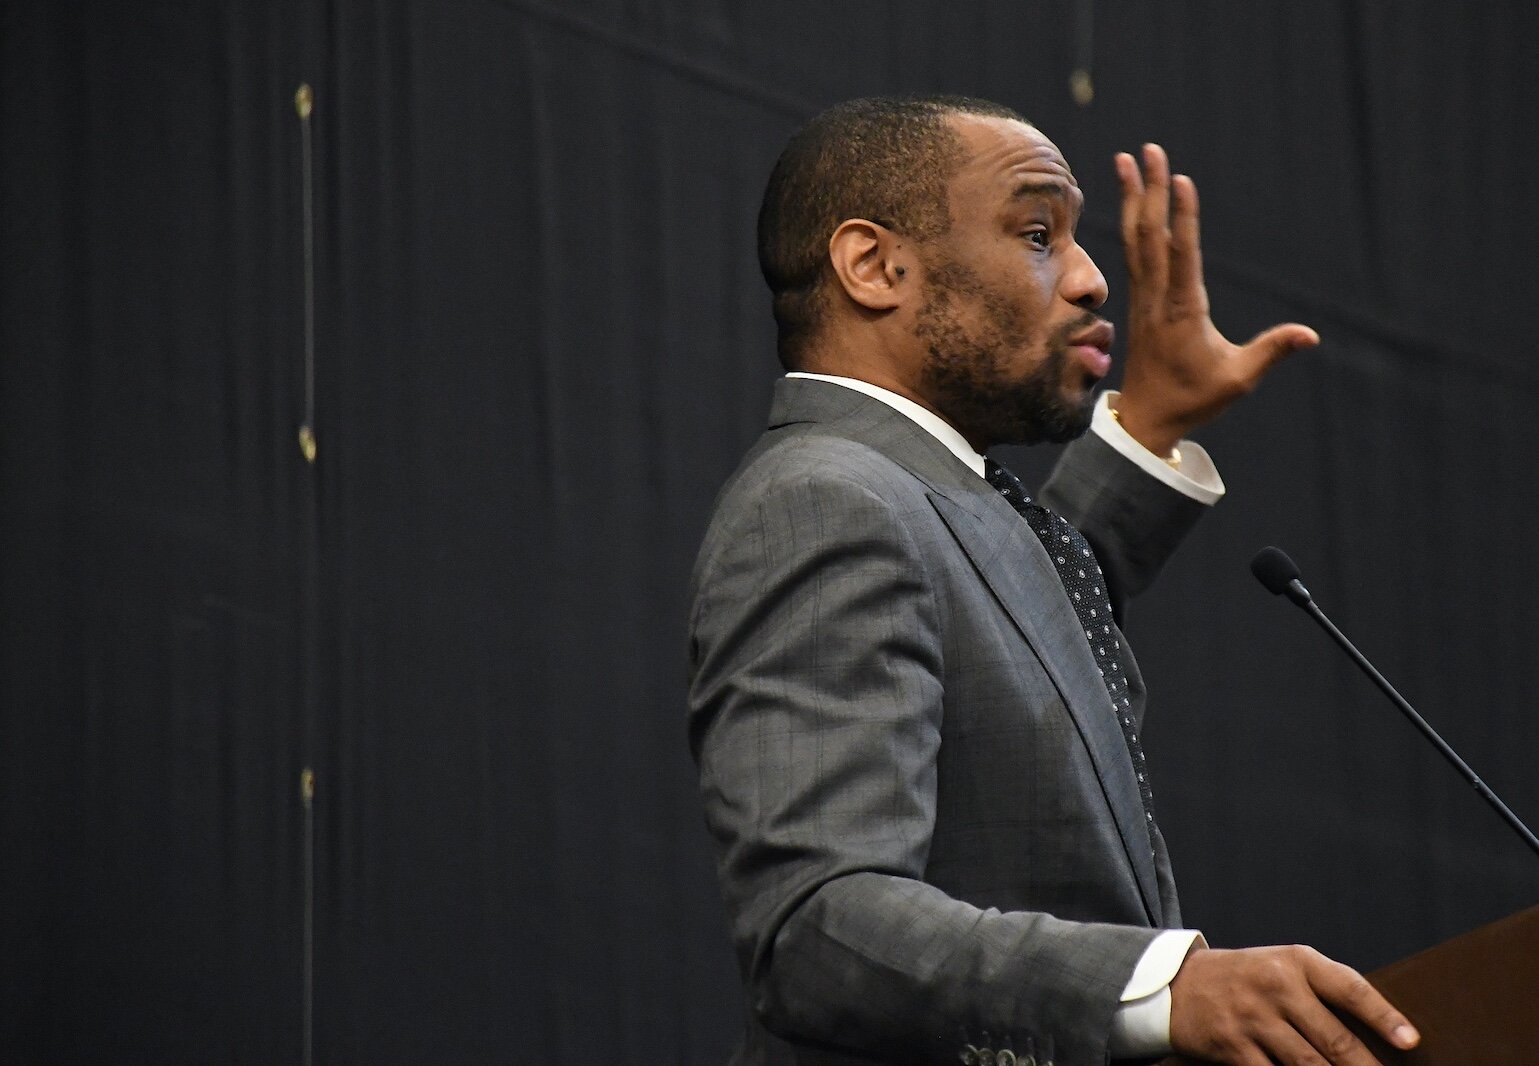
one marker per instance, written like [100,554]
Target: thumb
[1271,346]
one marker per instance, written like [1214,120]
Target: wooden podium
[1474,999]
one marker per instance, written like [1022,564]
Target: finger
[1349,990]
[1132,199]
[1270,347]
[1333,1041]
[1250,1056]
[1154,216]
[1287,1045]
[1186,288]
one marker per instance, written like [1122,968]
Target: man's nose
[1083,282]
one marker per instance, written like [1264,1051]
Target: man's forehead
[1010,153]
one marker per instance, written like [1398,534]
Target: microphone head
[1274,569]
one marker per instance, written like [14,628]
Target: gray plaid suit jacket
[929,827]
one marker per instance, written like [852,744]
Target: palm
[1181,371]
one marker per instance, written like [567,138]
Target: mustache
[1075,326]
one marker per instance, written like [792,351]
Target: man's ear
[872,264]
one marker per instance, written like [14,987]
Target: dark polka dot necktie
[1082,580]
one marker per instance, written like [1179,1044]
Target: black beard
[964,378]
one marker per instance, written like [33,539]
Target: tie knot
[1005,483]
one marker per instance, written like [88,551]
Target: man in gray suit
[913,709]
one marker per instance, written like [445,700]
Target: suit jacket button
[969,1056]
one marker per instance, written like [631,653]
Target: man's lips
[1092,347]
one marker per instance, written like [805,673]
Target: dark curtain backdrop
[541,342]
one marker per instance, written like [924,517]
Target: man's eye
[1039,237]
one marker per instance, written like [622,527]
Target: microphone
[1280,575]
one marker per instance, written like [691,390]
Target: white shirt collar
[929,421]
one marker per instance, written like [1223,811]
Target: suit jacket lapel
[1016,568]
[1012,561]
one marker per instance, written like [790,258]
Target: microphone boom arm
[1280,575]
[1420,723]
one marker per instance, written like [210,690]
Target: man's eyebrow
[1040,188]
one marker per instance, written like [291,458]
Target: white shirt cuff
[1197,478]
[1141,1026]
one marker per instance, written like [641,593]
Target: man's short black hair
[886,159]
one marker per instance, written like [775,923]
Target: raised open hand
[1181,372]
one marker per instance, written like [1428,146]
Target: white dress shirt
[1141,1025]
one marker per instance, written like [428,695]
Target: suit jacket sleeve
[1133,521]
[815,718]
